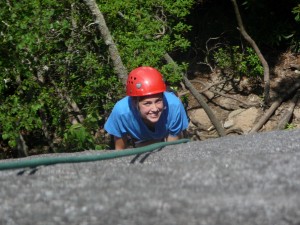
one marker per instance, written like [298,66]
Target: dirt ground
[226,95]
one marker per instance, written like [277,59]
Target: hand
[120,142]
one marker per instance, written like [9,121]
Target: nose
[154,107]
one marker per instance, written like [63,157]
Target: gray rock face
[251,179]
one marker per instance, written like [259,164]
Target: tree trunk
[72,107]
[113,51]
[200,99]
[256,49]
[22,148]
[289,112]
[272,109]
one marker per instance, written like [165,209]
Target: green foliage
[295,36]
[290,126]
[173,76]
[78,138]
[14,116]
[185,100]
[296,12]
[50,56]
[237,62]
[53,57]
[146,30]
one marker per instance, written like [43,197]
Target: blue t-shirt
[126,120]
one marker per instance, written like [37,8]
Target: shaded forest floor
[226,95]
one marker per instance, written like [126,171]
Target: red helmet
[144,81]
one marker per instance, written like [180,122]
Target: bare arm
[174,138]
[120,143]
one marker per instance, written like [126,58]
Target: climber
[148,114]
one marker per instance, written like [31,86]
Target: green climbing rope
[24,163]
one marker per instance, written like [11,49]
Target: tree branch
[256,49]
[273,107]
[22,148]
[199,98]
[103,29]
[289,112]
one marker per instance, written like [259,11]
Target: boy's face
[151,108]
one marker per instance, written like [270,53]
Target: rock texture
[250,179]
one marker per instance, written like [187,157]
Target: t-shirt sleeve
[178,119]
[114,124]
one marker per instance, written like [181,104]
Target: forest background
[62,71]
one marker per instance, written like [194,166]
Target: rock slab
[249,179]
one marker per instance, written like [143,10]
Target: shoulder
[169,95]
[122,104]
[171,98]
[122,109]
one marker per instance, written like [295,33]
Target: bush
[238,63]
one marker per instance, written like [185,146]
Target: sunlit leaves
[51,49]
[146,30]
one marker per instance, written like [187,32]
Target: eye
[159,100]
